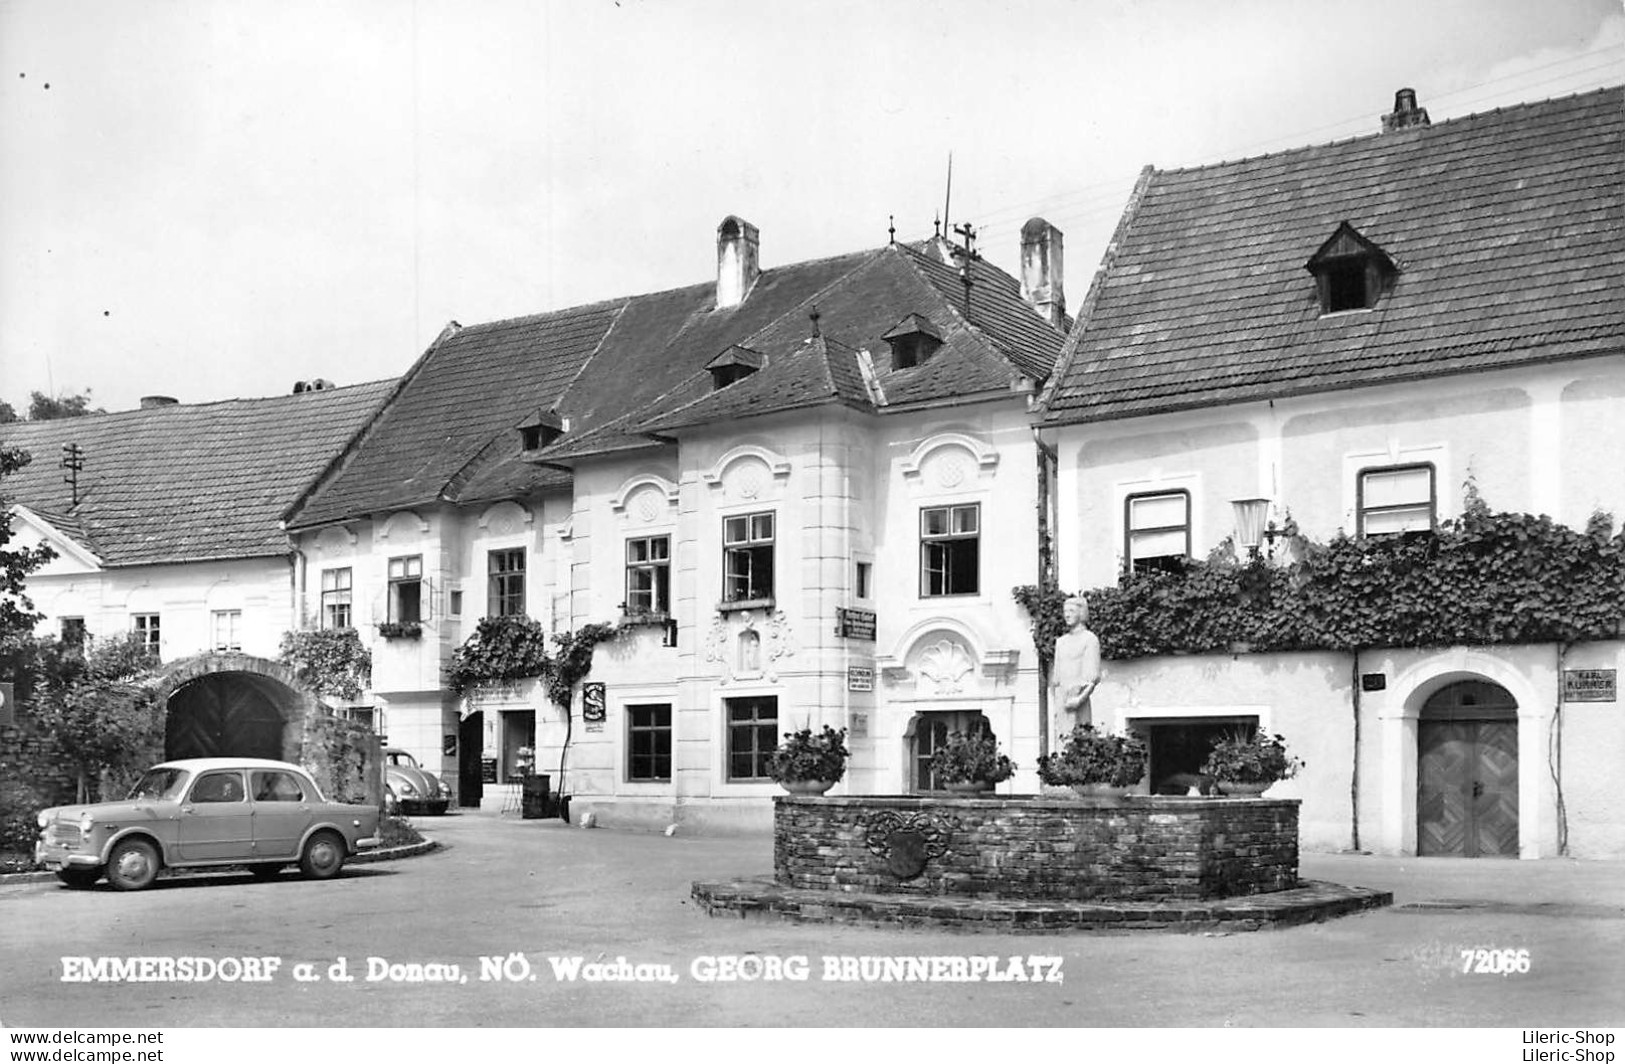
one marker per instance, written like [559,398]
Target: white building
[1351,332]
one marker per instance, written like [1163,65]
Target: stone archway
[233,705]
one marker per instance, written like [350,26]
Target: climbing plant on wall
[1485,577]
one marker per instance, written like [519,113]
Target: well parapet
[1138,849]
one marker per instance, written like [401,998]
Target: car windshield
[401,757]
[160,783]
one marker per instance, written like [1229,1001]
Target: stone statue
[1076,671]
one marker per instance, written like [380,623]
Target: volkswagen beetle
[409,788]
[203,812]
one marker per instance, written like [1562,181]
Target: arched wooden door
[1467,772]
[226,714]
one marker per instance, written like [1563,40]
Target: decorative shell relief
[943,667]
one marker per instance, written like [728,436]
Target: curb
[394,853]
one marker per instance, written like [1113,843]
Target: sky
[209,200]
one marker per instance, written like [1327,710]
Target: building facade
[802,495]
[1356,337]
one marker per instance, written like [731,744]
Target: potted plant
[805,763]
[1244,764]
[400,629]
[1095,764]
[970,763]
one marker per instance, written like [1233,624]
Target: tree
[99,707]
[8,413]
[17,616]
[42,407]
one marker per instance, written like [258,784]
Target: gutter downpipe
[1047,460]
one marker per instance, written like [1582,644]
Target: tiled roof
[614,368]
[186,483]
[1508,229]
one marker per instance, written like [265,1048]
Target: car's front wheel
[133,865]
[79,878]
[323,856]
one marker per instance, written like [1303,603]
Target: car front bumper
[55,857]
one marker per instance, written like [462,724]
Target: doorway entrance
[470,752]
[1179,748]
[1467,772]
[930,732]
[227,714]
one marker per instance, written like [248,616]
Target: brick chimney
[737,243]
[1041,270]
[1405,114]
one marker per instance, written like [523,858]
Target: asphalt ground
[533,893]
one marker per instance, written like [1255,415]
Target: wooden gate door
[222,715]
[1467,788]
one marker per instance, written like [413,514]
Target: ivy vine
[508,650]
[1483,578]
[331,661]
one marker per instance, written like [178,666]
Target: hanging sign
[1590,685]
[855,623]
[592,703]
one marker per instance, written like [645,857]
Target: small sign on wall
[448,745]
[859,724]
[855,623]
[488,770]
[1590,685]
[860,678]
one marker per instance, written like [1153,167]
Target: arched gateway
[1467,772]
[233,705]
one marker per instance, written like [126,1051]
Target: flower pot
[1100,790]
[969,787]
[1243,790]
[807,787]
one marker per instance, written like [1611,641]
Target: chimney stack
[152,402]
[1405,113]
[737,243]
[1041,270]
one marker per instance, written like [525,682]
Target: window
[456,603]
[1396,499]
[747,557]
[950,550]
[912,341]
[1157,530]
[753,735]
[648,575]
[1351,272]
[406,589]
[73,631]
[144,630]
[506,593]
[648,734]
[336,598]
[863,579]
[218,787]
[270,786]
[226,626]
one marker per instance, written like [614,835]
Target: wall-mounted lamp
[1252,528]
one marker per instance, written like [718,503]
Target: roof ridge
[1458,119]
[104,416]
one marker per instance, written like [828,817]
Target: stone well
[1139,849]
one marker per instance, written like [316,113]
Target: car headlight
[44,818]
[445,791]
[407,788]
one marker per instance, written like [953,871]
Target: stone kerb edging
[393,853]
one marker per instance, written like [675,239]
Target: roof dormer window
[539,430]
[732,365]
[912,341]
[1351,272]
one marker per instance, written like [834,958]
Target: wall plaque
[592,702]
[1590,685]
[860,678]
[855,623]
